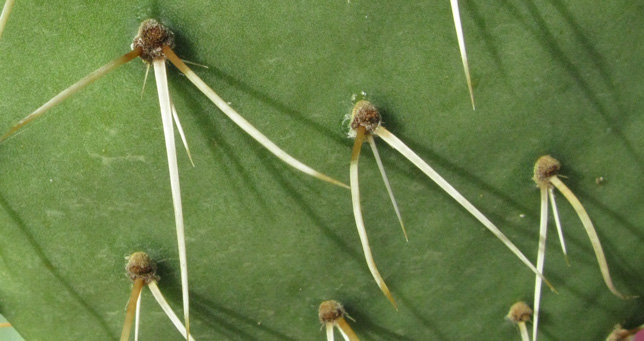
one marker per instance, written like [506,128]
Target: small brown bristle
[365,115]
[519,312]
[140,265]
[546,167]
[151,38]
[330,311]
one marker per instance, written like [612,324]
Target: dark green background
[87,184]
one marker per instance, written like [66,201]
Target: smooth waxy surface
[86,184]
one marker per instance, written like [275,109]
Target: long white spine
[376,155]
[154,288]
[329,331]
[6,10]
[541,256]
[394,142]
[592,234]
[456,14]
[168,131]
[245,125]
[364,239]
[555,213]
[137,317]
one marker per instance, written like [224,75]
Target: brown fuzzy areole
[546,167]
[519,312]
[140,265]
[365,115]
[330,311]
[151,38]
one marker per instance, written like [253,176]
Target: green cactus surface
[87,184]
